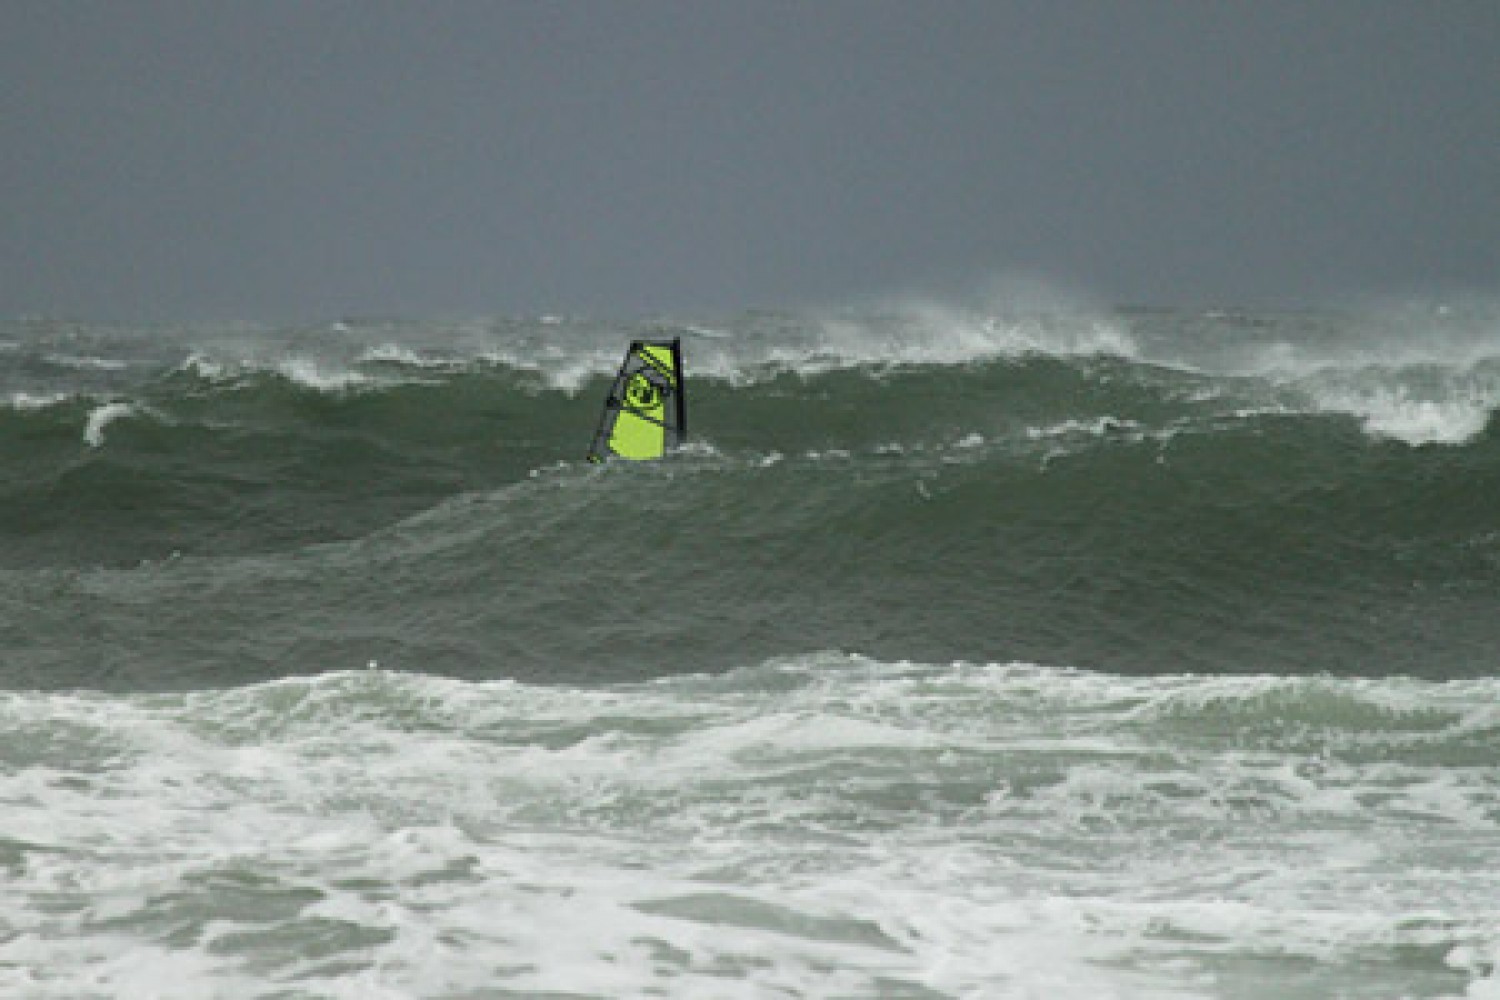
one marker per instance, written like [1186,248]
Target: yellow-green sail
[644,416]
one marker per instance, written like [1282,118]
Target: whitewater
[978,650]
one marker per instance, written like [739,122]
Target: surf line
[645,414]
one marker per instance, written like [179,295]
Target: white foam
[1098,427]
[394,353]
[397,354]
[819,826]
[1399,414]
[306,372]
[204,367]
[87,363]
[33,401]
[566,370]
[828,455]
[931,333]
[101,417]
[912,331]
[314,375]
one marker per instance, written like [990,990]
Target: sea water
[965,652]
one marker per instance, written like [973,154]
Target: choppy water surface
[964,653]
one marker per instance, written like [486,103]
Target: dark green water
[207,517]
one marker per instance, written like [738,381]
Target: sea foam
[101,417]
[810,826]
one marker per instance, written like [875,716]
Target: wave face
[1135,492]
[964,652]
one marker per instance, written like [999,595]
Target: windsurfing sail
[644,416]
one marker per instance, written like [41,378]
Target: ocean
[965,652]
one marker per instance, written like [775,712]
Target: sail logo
[642,393]
[637,423]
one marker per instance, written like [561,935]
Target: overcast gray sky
[276,160]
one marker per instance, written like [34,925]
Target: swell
[208,459]
[219,526]
[1232,553]
[258,461]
